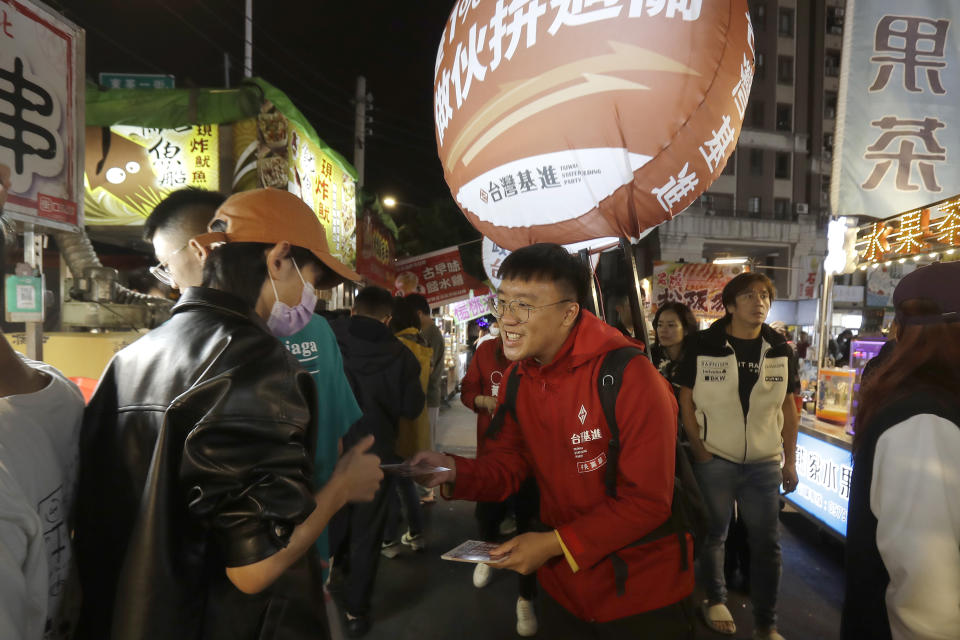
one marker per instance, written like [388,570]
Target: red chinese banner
[375,252]
[439,276]
[699,286]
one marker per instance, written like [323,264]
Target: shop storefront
[440,277]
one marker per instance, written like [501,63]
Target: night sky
[312,50]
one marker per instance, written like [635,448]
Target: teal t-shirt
[315,347]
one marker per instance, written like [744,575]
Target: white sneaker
[481,575]
[526,618]
[414,542]
[509,526]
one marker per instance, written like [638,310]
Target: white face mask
[285,320]
[494,330]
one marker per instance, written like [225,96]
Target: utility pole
[363,101]
[248,41]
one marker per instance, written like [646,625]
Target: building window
[784,117]
[756,162]
[785,69]
[753,204]
[781,208]
[830,105]
[785,22]
[758,16]
[760,62]
[831,63]
[729,169]
[782,165]
[835,17]
[828,146]
[756,113]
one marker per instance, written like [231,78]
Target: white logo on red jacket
[583,414]
[592,465]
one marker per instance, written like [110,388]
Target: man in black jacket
[195,506]
[385,377]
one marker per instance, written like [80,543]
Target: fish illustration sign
[570,120]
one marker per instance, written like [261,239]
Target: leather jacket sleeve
[246,464]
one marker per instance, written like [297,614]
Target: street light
[389,202]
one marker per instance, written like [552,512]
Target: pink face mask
[285,320]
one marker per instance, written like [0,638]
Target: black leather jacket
[196,455]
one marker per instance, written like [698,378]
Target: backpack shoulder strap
[609,380]
[509,404]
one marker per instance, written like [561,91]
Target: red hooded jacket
[485,373]
[561,438]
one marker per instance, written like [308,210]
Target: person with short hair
[903,530]
[183,214]
[308,337]
[737,409]
[195,504]
[559,435]
[385,377]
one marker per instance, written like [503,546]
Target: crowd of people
[229,456]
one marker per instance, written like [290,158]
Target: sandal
[713,614]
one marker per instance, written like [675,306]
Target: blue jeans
[756,490]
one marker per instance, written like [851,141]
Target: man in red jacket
[561,438]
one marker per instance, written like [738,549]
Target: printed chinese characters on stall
[894,30]
[905,156]
[916,44]
[33,141]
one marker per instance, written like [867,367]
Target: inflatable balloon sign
[568,120]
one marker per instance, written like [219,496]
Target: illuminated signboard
[129,170]
[927,231]
[825,472]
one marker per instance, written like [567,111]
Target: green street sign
[24,299]
[137,81]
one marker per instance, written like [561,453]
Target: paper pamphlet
[474,551]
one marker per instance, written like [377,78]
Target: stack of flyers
[474,551]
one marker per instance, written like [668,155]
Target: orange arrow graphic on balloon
[591,70]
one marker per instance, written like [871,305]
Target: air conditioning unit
[801,207]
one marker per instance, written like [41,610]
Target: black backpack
[688,512]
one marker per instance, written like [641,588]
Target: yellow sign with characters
[330,192]
[129,170]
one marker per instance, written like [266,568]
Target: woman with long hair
[903,536]
[673,324]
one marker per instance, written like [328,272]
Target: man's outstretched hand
[435,459]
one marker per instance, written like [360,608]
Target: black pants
[673,622]
[356,539]
[526,507]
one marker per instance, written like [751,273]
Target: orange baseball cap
[272,216]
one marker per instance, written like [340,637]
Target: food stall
[699,286]
[913,238]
